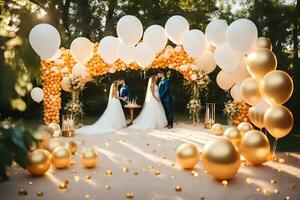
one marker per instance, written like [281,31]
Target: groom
[124,92]
[166,98]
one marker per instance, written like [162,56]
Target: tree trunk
[109,17]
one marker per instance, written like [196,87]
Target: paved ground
[149,157]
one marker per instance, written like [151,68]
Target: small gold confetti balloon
[187,155]
[38,162]
[61,157]
[220,159]
[217,129]
[244,127]
[54,143]
[233,135]
[72,146]
[255,147]
[89,158]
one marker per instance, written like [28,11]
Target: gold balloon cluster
[187,155]
[272,86]
[53,72]
[242,115]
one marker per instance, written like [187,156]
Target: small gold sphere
[38,162]
[89,158]
[61,157]
[233,135]
[72,146]
[244,127]
[187,155]
[217,129]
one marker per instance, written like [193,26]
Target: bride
[111,120]
[152,115]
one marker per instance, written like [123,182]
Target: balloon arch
[247,62]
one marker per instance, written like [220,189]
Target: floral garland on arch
[199,82]
[236,112]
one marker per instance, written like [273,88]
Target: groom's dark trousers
[166,100]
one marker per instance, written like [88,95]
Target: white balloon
[206,62]
[227,58]
[125,53]
[176,27]
[45,40]
[240,73]
[81,49]
[56,56]
[241,35]
[236,93]
[155,37]
[143,55]
[37,94]
[261,106]
[129,30]
[65,84]
[79,69]
[224,80]
[108,49]
[194,43]
[215,31]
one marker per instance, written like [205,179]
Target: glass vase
[210,110]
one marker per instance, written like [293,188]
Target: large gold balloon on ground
[38,162]
[277,87]
[278,121]
[72,146]
[221,159]
[187,155]
[89,158]
[61,157]
[263,42]
[250,91]
[233,134]
[244,127]
[255,147]
[217,129]
[54,143]
[260,62]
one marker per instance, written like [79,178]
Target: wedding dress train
[111,120]
[152,115]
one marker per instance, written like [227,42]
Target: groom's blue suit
[124,92]
[166,99]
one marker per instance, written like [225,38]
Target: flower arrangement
[194,108]
[201,80]
[231,110]
[72,83]
[75,109]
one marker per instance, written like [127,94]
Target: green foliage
[15,142]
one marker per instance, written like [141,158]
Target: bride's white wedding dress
[111,120]
[152,115]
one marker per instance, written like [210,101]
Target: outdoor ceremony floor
[152,173]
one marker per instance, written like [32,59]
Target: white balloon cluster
[220,45]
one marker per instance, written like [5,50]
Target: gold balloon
[250,91]
[256,113]
[220,159]
[89,158]
[255,147]
[187,155]
[233,134]
[61,157]
[217,129]
[54,143]
[244,127]
[260,62]
[278,121]
[263,42]
[72,146]
[56,129]
[277,87]
[38,162]
[43,135]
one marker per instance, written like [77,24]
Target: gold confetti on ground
[107,187]
[106,144]
[202,198]
[225,183]
[293,186]
[248,180]
[257,189]
[178,188]
[39,194]
[125,169]
[129,195]
[76,178]
[22,192]
[172,177]
[276,191]
[154,151]
[266,192]
[88,177]
[30,182]
[173,165]
[287,198]
[281,160]
[157,173]
[64,185]
[164,157]
[194,173]
[135,173]
[74,171]
[273,181]
[108,173]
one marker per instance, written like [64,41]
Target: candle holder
[68,126]
[210,111]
